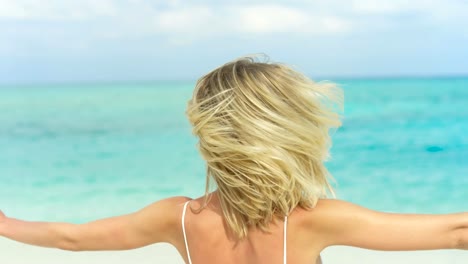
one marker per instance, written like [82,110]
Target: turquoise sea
[77,152]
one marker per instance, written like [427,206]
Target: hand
[2,216]
[2,220]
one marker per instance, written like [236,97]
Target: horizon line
[187,80]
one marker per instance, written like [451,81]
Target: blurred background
[93,94]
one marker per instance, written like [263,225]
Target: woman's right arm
[342,223]
[158,222]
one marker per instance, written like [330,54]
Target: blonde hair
[263,130]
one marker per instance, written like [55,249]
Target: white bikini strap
[185,235]
[284,238]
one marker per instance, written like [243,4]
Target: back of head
[263,130]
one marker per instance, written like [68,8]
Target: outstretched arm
[157,222]
[344,223]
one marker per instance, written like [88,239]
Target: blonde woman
[263,131]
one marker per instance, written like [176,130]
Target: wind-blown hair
[263,130]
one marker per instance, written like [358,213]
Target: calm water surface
[80,152]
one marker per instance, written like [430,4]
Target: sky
[45,41]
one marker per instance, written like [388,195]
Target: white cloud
[384,6]
[176,17]
[267,19]
[56,9]
[430,8]
[183,20]
[281,19]
[138,29]
[12,10]
[261,19]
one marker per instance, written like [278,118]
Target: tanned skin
[331,222]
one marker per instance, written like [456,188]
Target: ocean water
[78,152]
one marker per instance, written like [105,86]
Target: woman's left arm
[158,222]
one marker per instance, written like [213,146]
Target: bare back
[330,222]
[209,240]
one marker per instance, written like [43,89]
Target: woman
[263,130]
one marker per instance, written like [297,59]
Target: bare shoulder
[173,201]
[328,210]
[330,205]
[326,214]
[162,217]
[169,208]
